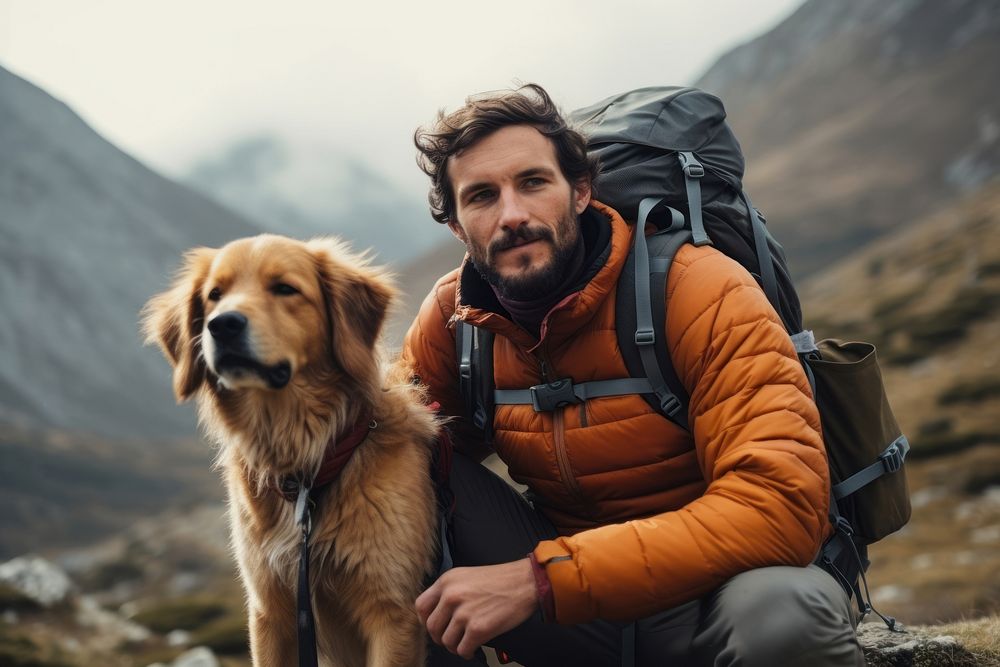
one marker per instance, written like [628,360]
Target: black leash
[305,622]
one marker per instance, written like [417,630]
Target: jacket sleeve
[757,435]
[429,354]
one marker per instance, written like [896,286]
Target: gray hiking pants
[774,616]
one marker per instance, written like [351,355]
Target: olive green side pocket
[864,443]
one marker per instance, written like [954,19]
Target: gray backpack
[669,158]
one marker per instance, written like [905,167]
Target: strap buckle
[645,336]
[556,394]
[670,405]
[843,526]
[891,458]
[692,168]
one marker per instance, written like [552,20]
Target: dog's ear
[357,298]
[174,320]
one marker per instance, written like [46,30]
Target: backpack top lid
[637,136]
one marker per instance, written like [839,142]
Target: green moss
[923,335]
[971,391]
[944,262]
[893,305]
[181,614]
[143,655]
[933,332]
[11,598]
[904,356]
[226,636]
[990,268]
[875,267]
[981,478]
[934,427]
[109,574]
[19,651]
[927,446]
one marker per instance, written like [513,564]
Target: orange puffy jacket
[651,516]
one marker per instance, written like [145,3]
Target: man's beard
[539,282]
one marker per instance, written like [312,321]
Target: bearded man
[642,542]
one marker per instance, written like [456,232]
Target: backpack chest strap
[546,397]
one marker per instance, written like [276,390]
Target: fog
[173,82]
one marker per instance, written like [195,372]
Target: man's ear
[457,231]
[357,300]
[174,320]
[582,191]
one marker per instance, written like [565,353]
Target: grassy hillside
[62,490]
[930,299]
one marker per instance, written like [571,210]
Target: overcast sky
[170,82]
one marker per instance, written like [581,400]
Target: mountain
[858,117]
[871,132]
[308,189]
[415,279]
[87,235]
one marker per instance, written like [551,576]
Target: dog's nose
[227,326]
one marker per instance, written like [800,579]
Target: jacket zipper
[559,442]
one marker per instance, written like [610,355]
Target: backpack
[669,158]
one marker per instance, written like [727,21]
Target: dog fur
[314,310]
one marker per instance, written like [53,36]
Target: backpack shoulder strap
[474,348]
[640,322]
[640,312]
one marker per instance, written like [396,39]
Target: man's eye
[482,195]
[215,294]
[534,182]
[284,289]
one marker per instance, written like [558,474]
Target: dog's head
[260,311]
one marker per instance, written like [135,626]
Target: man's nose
[513,212]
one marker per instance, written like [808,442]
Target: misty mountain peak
[307,188]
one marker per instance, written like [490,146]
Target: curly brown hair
[484,114]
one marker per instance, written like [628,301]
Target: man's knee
[779,615]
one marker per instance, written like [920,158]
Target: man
[702,539]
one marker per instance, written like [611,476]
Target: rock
[911,648]
[178,638]
[197,657]
[108,629]
[36,578]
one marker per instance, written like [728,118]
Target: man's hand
[468,606]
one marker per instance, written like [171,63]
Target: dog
[277,340]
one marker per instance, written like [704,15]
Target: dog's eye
[284,289]
[215,294]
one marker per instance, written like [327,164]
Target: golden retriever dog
[277,341]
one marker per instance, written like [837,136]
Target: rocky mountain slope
[87,234]
[90,436]
[859,117]
[930,299]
